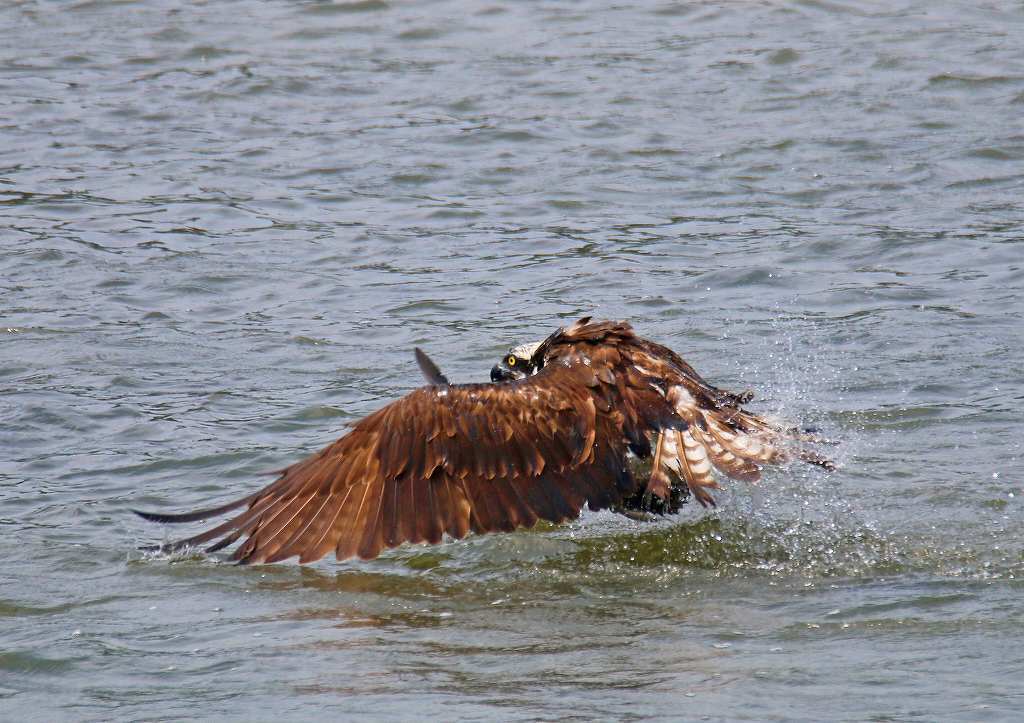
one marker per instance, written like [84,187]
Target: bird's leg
[659,482]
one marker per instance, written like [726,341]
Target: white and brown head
[518,363]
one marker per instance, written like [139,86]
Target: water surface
[223,227]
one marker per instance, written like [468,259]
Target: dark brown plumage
[454,459]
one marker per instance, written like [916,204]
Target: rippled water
[226,224]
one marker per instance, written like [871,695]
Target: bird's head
[518,363]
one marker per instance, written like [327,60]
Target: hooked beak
[500,374]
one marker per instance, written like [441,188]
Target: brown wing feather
[443,460]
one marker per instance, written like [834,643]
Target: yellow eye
[511,361]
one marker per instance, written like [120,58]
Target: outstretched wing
[446,460]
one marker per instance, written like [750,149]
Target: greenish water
[224,226]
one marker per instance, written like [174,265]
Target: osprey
[552,432]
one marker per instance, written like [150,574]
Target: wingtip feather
[430,370]
[197,515]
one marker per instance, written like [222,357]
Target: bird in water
[554,430]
